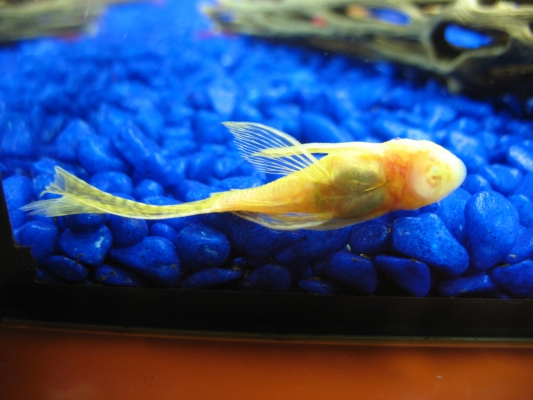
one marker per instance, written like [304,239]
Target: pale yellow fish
[351,183]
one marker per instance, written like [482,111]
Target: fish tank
[343,168]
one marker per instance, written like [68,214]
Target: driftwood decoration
[473,43]
[22,19]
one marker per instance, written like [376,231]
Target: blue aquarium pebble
[371,237]
[524,206]
[164,230]
[147,188]
[469,285]
[96,155]
[247,112]
[314,244]
[200,166]
[117,276]
[198,194]
[501,177]
[112,182]
[173,148]
[45,276]
[317,128]
[208,128]
[127,231]
[154,257]
[465,38]
[40,182]
[411,275]
[200,247]
[211,277]
[319,286]
[84,222]
[18,192]
[526,186]
[16,139]
[187,185]
[516,279]
[67,269]
[492,228]
[474,183]
[240,182]
[249,238]
[390,16]
[265,242]
[223,96]
[87,247]
[520,155]
[352,271]
[155,167]
[451,210]
[522,249]
[150,120]
[434,244]
[267,278]
[40,236]
[66,143]
[175,223]
[468,148]
[132,144]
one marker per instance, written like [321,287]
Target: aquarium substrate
[136,108]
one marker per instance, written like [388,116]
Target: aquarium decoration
[136,110]
[22,19]
[473,44]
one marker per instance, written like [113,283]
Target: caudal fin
[79,197]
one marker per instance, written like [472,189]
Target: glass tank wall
[321,197]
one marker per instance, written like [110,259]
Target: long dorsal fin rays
[285,222]
[252,138]
[319,148]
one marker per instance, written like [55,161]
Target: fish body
[351,183]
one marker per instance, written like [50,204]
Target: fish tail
[79,197]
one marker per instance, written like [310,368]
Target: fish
[323,186]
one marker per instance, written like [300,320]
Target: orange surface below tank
[69,362]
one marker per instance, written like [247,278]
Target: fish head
[433,172]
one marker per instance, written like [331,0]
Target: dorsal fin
[252,138]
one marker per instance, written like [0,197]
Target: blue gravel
[269,278]
[319,286]
[211,277]
[154,257]
[515,279]
[492,227]
[41,236]
[411,275]
[139,115]
[127,231]
[88,247]
[67,269]
[427,239]
[356,272]
[469,285]
[117,276]
[370,238]
[200,247]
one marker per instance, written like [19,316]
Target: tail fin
[78,197]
